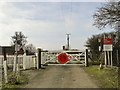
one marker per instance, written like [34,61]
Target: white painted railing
[29,62]
[48,56]
[25,62]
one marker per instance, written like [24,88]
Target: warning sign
[107,41]
[63,58]
[107,44]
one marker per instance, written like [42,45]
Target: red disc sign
[107,41]
[62,58]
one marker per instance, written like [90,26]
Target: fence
[25,62]
[29,62]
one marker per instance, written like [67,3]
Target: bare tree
[30,49]
[108,14]
[19,40]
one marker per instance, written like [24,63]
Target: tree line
[106,16]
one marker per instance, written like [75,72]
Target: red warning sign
[107,44]
[107,41]
[62,58]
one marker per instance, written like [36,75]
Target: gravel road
[69,76]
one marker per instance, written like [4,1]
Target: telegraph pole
[68,45]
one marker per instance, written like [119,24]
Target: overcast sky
[46,23]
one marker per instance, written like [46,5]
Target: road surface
[69,76]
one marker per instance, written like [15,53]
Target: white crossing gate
[51,57]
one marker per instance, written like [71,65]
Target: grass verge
[107,77]
[14,82]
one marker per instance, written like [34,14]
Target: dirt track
[60,77]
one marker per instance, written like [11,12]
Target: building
[10,50]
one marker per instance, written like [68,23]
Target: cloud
[45,24]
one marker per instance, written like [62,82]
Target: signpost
[107,47]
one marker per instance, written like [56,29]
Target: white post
[105,55]
[15,59]
[111,60]
[24,61]
[18,68]
[1,73]
[38,58]
[5,71]
[14,65]
[34,59]
[108,58]
[42,60]
[5,66]
[105,59]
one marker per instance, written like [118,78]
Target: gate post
[1,60]
[24,61]
[5,66]
[38,58]
[86,57]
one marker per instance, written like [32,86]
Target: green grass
[107,77]
[13,82]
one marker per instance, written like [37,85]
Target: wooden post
[39,58]
[117,58]
[111,60]
[34,59]
[86,57]
[5,66]
[105,59]
[18,68]
[108,58]
[15,59]
[1,60]
[101,61]
[24,61]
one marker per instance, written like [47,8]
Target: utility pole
[68,45]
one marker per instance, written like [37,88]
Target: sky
[45,24]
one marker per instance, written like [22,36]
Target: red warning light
[62,58]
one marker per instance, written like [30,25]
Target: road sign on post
[107,44]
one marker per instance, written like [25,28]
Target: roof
[9,49]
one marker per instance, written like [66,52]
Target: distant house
[10,50]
